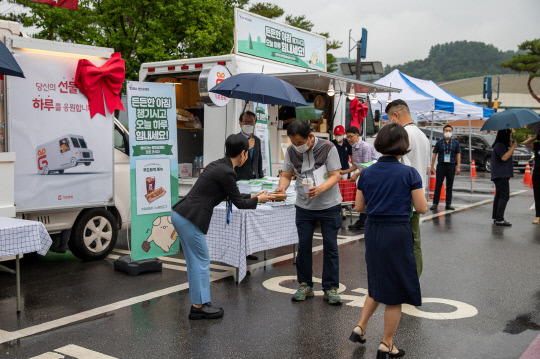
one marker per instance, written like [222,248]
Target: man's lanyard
[448,146]
[229,210]
[410,123]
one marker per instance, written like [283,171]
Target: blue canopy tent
[429,102]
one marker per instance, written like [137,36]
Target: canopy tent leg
[470,151]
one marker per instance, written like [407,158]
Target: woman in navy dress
[387,191]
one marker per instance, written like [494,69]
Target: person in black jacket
[253,167]
[191,219]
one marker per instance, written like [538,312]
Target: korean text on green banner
[153,168]
[262,130]
[258,36]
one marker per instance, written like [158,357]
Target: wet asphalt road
[491,273]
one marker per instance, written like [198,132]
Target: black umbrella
[8,64]
[260,88]
[513,118]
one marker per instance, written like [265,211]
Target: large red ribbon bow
[101,82]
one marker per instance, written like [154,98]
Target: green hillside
[457,60]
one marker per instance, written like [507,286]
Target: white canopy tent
[429,102]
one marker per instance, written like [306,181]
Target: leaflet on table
[320,175]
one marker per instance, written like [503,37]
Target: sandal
[536,221]
[358,338]
[381,354]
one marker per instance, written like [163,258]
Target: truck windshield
[75,142]
[83,144]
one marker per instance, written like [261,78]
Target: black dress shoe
[434,207]
[450,208]
[503,223]
[252,257]
[356,225]
[207,311]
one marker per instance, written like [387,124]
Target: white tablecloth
[249,231]
[18,236]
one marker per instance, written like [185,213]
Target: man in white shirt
[418,157]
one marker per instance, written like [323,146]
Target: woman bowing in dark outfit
[191,219]
[386,191]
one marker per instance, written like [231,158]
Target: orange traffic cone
[527,177]
[530,181]
[443,193]
[473,169]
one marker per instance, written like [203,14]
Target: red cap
[339,130]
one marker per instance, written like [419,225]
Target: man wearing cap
[342,146]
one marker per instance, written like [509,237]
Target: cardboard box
[185,170]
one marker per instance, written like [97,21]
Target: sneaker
[303,292]
[450,208]
[332,296]
[433,207]
[207,311]
[503,223]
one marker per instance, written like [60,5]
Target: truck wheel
[46,170]
[60,171]
[94,235]
[487,164]
[87,163]
[73,161]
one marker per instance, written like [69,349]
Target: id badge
[447,158]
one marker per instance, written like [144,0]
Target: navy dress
[391,267]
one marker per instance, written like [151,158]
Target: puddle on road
[522,323]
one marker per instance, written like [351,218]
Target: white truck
[89,229]
[219,122]
[62,153]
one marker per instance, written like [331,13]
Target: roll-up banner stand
[153,168]
[64,157]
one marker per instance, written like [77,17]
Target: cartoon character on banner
[162,234]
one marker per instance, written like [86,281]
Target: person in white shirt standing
[418,157]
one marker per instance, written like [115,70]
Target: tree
[266,9]
[529,61]
[456,60]
[299,21]
[142,30]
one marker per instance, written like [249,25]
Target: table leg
[18,276]
[237,275]
[294,254]
[264,253]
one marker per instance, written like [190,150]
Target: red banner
[68,4]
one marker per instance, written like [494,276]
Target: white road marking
[49,355]
[82,353]
[61,322]
[176,260]
[532,207]
[3,332]
[462,310]
[99,311]
[177,267]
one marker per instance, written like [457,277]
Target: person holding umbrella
[534,143]
[502,169]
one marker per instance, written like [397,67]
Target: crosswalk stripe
[82,353]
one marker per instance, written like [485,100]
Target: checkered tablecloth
[249,231]
[19,236]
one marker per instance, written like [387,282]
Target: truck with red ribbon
[72,156]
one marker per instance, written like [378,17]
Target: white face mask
[303,148]
[339,138]
[447,134]
[248,129]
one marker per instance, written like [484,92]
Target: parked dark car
[481,152]
[437,135]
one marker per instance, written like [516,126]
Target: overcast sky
[404,30]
